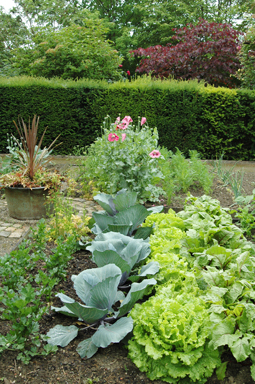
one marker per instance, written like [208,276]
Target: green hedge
[188,115]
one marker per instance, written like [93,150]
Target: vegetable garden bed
[110,365]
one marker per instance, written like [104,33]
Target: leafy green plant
[122,214]
[98,289]
[225,265]
[125,252]
[30,160]
[171,335]
[180,174]
[203,258]
[246,213]
[21,291]
[124,160]
[64,221]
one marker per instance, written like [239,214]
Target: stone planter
[26,203]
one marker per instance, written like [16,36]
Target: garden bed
[110,365]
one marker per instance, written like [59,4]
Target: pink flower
[123,136]
[117,121]
[128,73]
[124,123]
[143,120]
[120,65]
[113,137]
[154,154]
[127,119]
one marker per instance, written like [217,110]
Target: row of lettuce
[204,300]
[198,269]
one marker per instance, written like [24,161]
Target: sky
[7,4]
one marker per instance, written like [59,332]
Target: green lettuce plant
[204,260]
[98,289]
[125,156]
[171,335]
[224,262]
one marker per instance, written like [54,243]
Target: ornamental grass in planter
[28,186]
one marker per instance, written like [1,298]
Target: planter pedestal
[26,203]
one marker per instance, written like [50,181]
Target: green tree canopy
[73,52]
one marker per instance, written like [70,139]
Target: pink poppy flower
[128,119]
[155,154]
[143,120]
[123,136]
[113,137]
[117,121]
[124,123]
[120,65]
[128,73]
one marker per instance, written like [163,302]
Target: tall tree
[207,51]
[73,52]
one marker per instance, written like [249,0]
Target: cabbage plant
[122,214]
[105,306]
[125,252]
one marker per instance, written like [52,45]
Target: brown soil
[110,365]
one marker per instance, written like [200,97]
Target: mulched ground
[110,365]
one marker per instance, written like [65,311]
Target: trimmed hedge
[188,114]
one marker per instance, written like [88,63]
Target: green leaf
[104,293]
[241,349]
[86,280]
[120,228]
[125,246]
[90,314]
[104,201]
[253,371]
[64,310]
[107,334]
[221,371]
[60,335]
[149,269]
[102,221]
[156,209]
[225,340]
[125,200]
[135,215]
[86,348]
[111,257]
[234,292]
[143,233]
[136,292]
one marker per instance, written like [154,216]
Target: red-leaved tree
[207,51]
